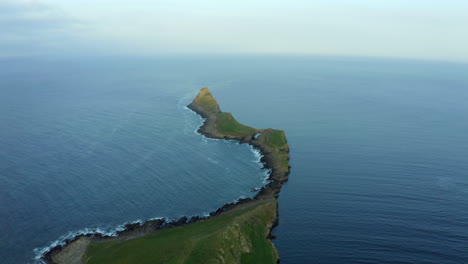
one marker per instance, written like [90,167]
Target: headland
[238,232]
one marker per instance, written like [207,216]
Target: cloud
[422,29]
[33,27]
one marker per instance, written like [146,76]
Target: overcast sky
[427,29]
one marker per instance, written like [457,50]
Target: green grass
[276,142]
[275,138]
[206,100]
[238,236]
[226,124]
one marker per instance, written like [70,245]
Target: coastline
[72,249]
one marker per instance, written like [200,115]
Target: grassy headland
[219,124]
[235,233]
[237,236]
[271,142]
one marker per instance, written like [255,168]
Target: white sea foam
[257,135]
[258,157]
[267,176]
[204,138]
[156,218]
[112,232]
[185,100]
[213,161]
[191,125]
[257,153]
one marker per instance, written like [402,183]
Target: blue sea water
[379,151]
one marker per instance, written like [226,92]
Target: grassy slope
[207,101]
[276,142]
[275,138]
[225,123]
[238,236]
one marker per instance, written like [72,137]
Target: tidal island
[237,232]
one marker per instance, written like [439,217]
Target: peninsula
[237,232]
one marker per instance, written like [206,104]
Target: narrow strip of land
[235,233]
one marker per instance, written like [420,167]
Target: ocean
[379,151]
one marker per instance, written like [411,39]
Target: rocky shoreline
[71,250]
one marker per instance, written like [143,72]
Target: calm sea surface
[379,151]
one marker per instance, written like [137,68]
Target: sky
[423,29]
